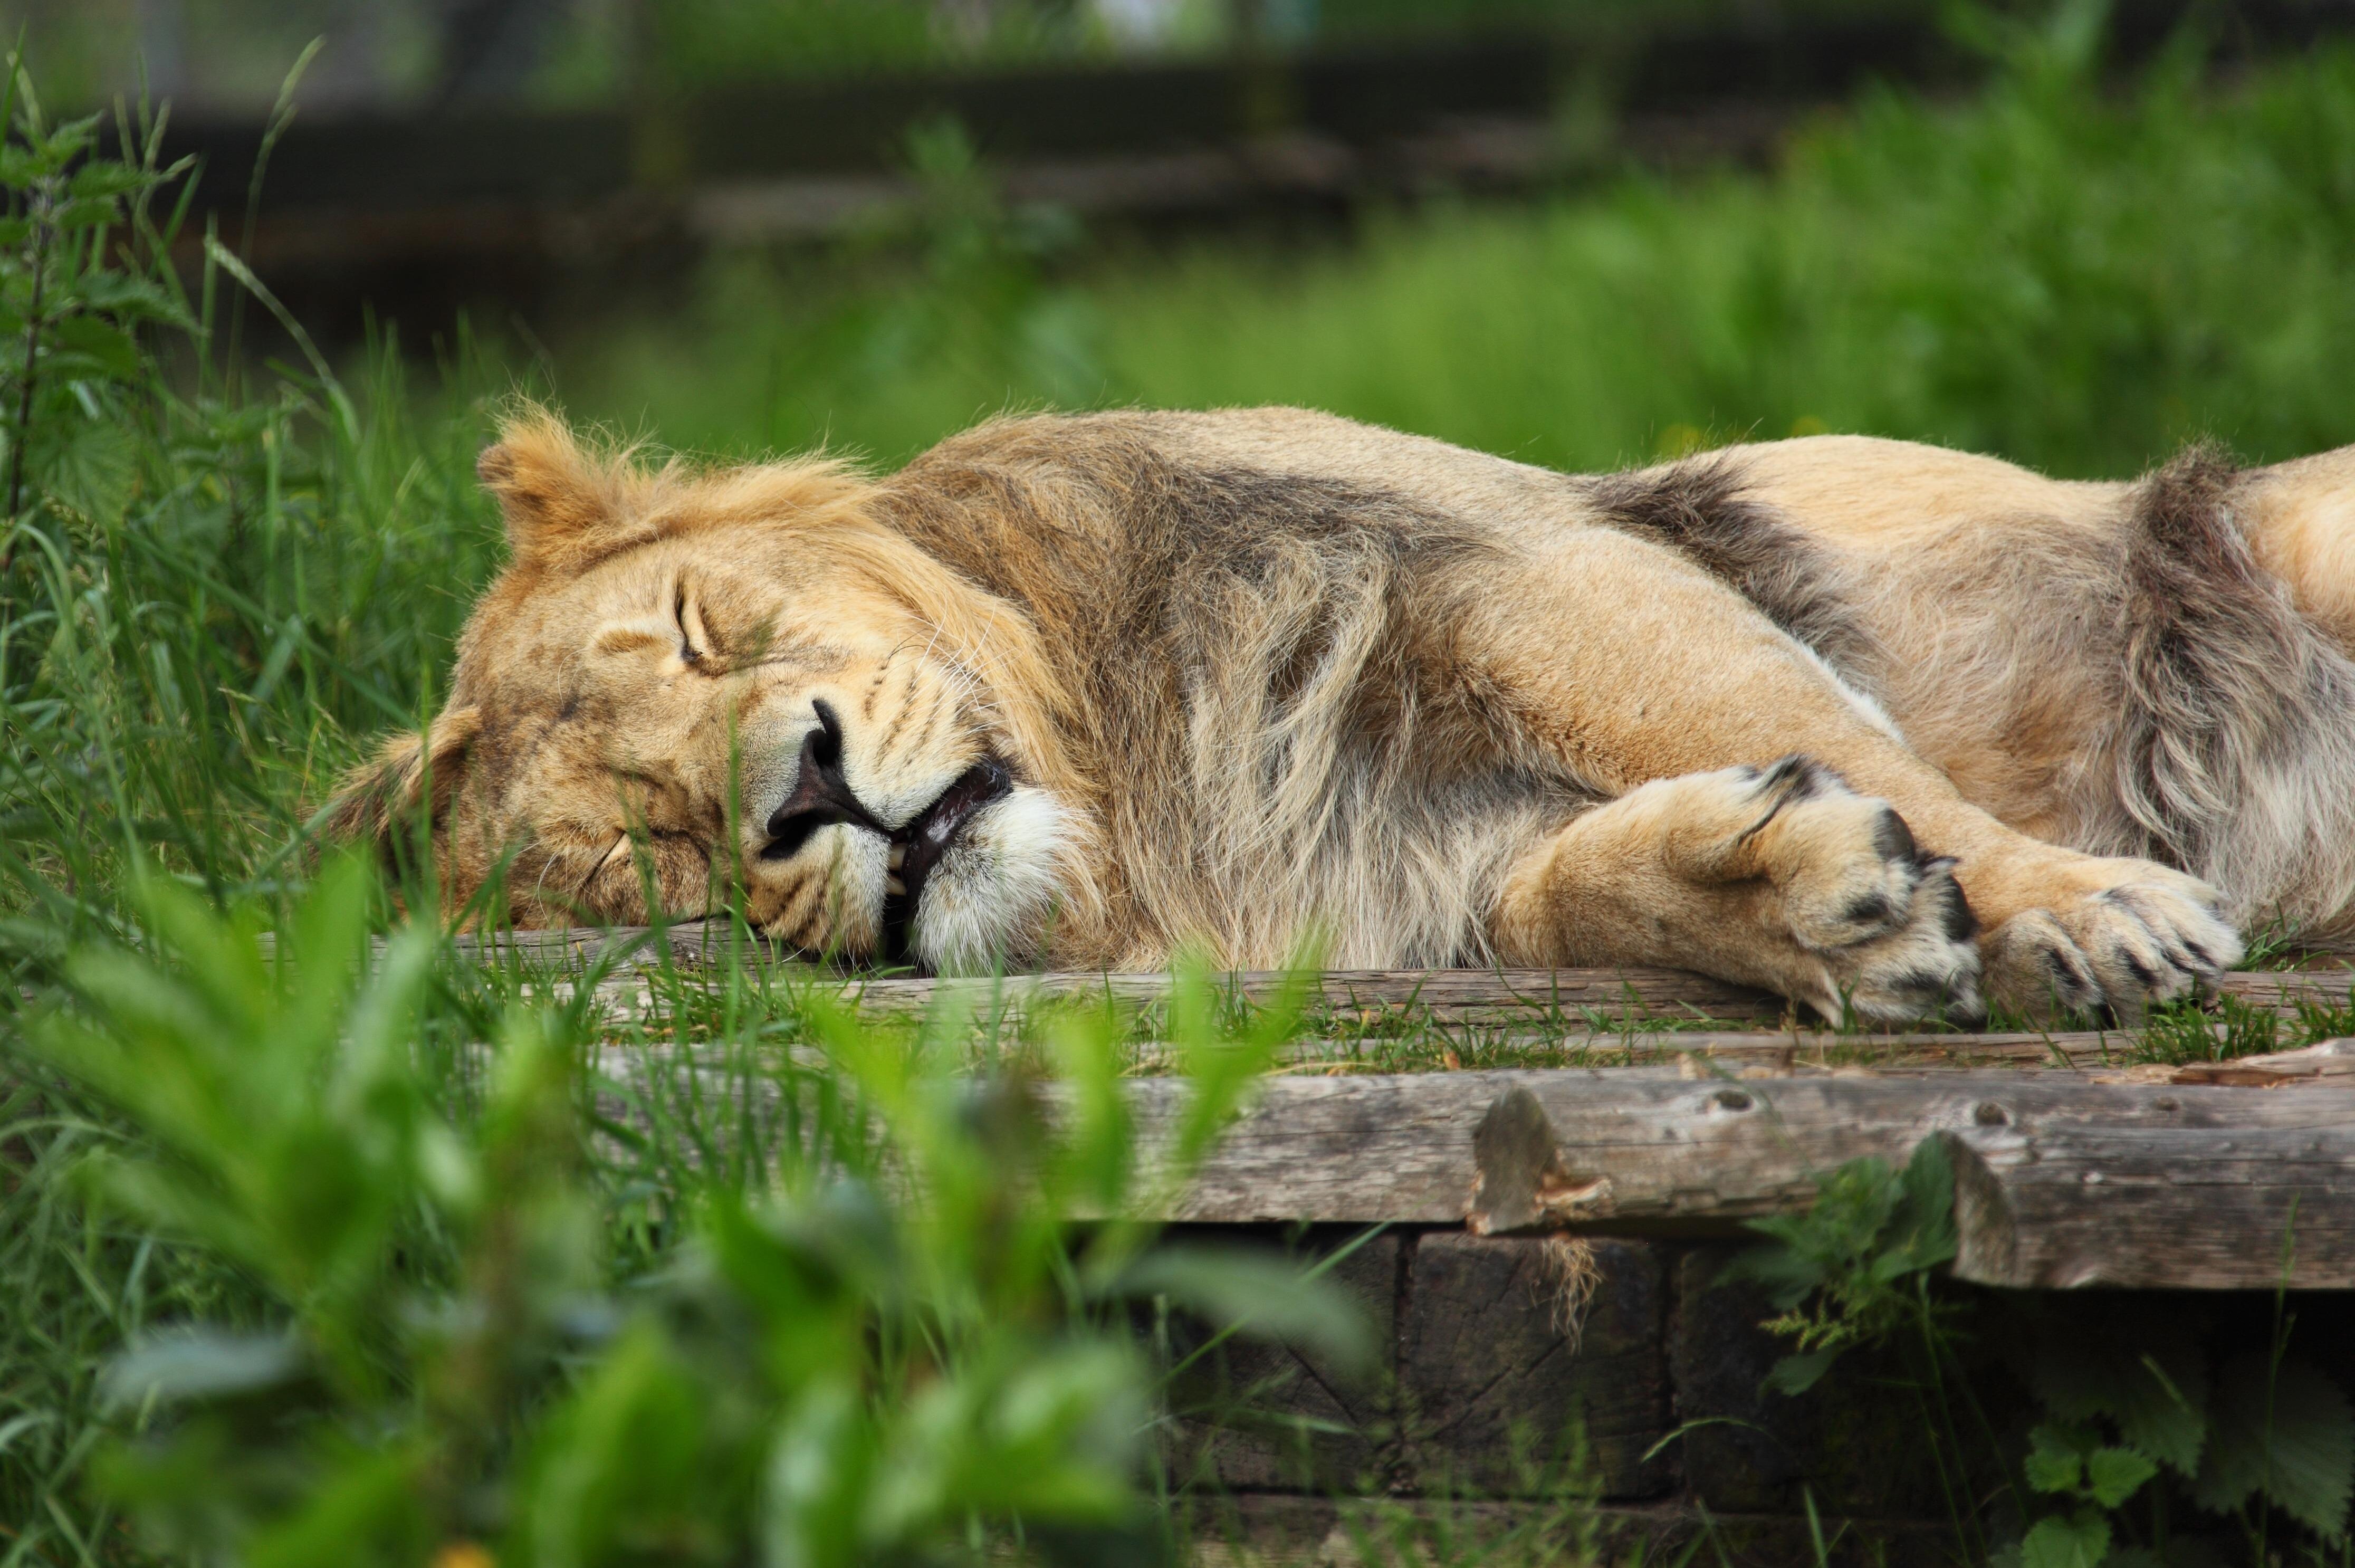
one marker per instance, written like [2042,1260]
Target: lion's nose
[821,794]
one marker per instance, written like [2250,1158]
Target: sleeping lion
[1878,726]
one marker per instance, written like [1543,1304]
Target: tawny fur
[1264,674]
[2148,669]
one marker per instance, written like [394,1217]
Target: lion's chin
[989,904]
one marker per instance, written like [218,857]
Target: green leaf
[2289,1432]
[368,1509]
[2144,1371]
[2055,1461]
[1788,1273]
[1260,1294]
[819,1475]
[2114,1475]
[1098,1149]
[622,1457]
[88,466]
[1924,1221]
[1795,1375]
[85,212]
[126,296]
[109,348]
[2079,1543]
[1224,1068]
[102,177]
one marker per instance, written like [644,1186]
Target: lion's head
[682,677]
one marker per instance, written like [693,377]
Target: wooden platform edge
[2062,1181]
[1483,995]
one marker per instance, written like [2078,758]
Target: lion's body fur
[2129,669]
[1280,672]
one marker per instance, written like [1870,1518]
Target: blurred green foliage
[2078,280]
[895,1351]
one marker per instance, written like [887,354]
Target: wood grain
[2066,1183]
[1487,994]
[1470,996]
[2322,1062]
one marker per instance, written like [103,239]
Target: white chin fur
[989,900]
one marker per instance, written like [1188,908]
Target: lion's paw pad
[1884,929]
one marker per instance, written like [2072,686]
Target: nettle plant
[2147,1440]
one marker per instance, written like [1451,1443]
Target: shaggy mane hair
[2235,730]
[1289,622]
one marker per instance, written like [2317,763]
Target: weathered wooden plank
[2068,1182]
[2329,1061]
[1595,999]
[2285,989]
[1694,1055]
[2066,1178]
[1447,995]
[1493,996]
[1444,994]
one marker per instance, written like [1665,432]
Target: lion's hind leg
[1781,877]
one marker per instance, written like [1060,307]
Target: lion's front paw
[1856,919]
[2120,933]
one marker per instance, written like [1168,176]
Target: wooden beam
[1603,998]
[2064,1182]
[2329,1061]
[1453,996]
[1758,1053]
[2285,990]
[1450,996]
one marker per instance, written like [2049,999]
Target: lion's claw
[2141,935]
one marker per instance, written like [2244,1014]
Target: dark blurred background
[228,55]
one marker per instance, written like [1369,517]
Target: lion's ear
[378,795]
[559,502]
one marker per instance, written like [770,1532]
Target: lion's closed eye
[683,632]
[696,643]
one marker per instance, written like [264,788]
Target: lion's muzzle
[821,796]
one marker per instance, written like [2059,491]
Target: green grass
[2075,284]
